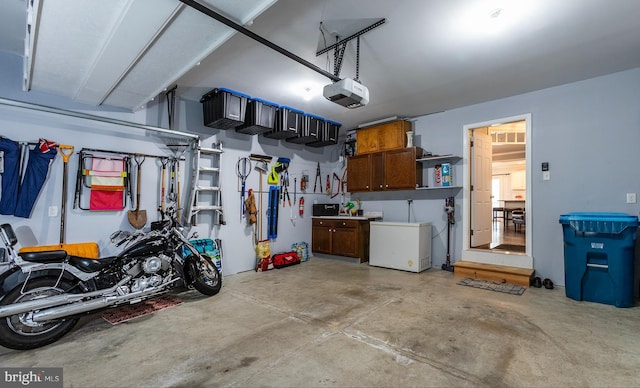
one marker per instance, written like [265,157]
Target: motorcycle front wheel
[19,331]
[207,278]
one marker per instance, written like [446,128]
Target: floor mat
[126,313]
[511,247]
[493,286]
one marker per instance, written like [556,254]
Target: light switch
[631,197]
[546,175]
[53,211]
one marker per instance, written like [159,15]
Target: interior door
[481,207]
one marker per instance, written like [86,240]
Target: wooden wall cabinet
[389,170]
[341,237]
[383,137]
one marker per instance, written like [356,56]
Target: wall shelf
[429,164]
[439,188]
[440,158]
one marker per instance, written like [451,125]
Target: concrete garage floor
[334,323]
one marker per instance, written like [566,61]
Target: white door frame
[482,255]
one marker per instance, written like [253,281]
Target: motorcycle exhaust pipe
[51,301]
[83,307]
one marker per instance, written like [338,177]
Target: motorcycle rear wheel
[19,331]
[207,277]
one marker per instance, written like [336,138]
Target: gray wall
[587,131]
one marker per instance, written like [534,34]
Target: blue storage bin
[260,117]
[599,257]
[310,130]
[288,123]
[224,108]
[328,135]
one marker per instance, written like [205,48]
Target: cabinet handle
[344,223]
[386,186]
[367,186]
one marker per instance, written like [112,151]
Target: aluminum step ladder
[206,193]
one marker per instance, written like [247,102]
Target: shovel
[137,217]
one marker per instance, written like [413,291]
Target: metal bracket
[351,37]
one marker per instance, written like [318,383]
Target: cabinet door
[400,169]
[392,136]
[366,140]
[345,241]
[358,173]
[518,180]
[377,171]
[321,238]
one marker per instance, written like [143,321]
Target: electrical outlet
[53,211]
[631,197]
[546,175]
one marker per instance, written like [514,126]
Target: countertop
[357,218]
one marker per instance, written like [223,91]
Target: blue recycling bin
[599,257]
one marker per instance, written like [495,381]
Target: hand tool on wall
[171,196]
[65,151]
[318,179]
[274,194]
[163,173]
[261,166]
[285,189]
[295,187]
[336,184]
[76,199]
[178,208]
[327,188]
[137,217]
[128,182]
[243,168]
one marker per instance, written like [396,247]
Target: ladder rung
[209,169]
[208,188]
[210,150]
[206,207]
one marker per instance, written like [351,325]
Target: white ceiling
[429,56]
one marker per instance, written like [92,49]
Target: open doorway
[497,196]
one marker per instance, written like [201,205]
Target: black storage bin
[260,117]
[328,134]
[224,108]
[288,123]
[310,131]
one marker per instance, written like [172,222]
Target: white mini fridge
[400,245]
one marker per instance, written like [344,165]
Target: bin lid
[265,102]
[599,222]
[291,109]
[232,92]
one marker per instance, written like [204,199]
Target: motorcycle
[43,294]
